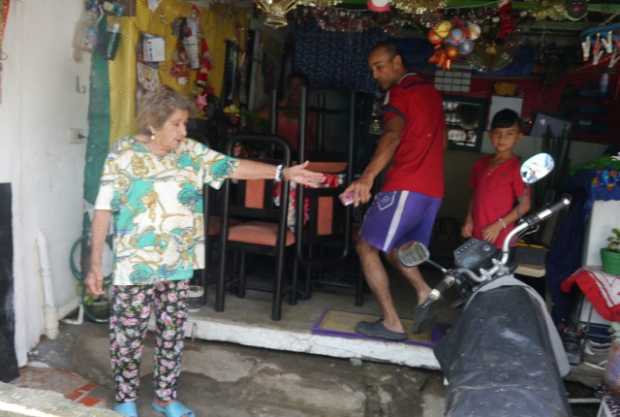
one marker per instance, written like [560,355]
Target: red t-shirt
[288,129]
[496,190]
[417,164]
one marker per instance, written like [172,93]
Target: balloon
[452,52]
[474,31]
[443,29]
[466,47]
[456,36]
[433,37]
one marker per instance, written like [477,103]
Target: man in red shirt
[412,146]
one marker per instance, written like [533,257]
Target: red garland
[506,21]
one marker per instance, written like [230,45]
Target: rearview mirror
[536,168]
[413,254]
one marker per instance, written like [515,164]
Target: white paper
[154,49]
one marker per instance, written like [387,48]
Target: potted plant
[610,255]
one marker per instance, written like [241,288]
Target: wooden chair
[263,229]
[329,223]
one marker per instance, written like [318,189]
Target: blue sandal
[126,409]
[173,409]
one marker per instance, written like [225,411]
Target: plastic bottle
[612,371]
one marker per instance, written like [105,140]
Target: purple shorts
[398,217]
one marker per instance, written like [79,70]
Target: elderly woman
[151,189]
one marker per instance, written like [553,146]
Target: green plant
[614,240]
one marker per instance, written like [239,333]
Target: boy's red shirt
[496,193]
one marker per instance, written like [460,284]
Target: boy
[500,197]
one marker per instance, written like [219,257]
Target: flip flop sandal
[126,409]
[378,330]
[173,409]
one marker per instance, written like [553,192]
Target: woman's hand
[467,229]
[94,281]
[360,190]
[301,175]
[491,232]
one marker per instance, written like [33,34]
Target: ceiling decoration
[276,10]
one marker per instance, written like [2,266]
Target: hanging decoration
[351,20]
[379,6]
[452,39]
[550,9]
[506,21]
[202,77]
[601,45]
[576,9]
[186,54]
[85,38]
[418,7]
[499,40]
[276,10]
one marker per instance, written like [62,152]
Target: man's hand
[301,175]
[491,232]
[94,282]
[360,190]
[467,229]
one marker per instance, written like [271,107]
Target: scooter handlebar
[541,215]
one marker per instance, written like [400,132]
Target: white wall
[39,106]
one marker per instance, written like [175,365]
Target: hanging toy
[474,31]
[466,47]
[506,22]
[597,51]
[189,34]
[586,45]
[379,6]
[443,29]
[452,39]
[202,77]
[608,42]
[576,9]
[456,36]
[440,58]
[180,65]
[434,38]
[615,57]
[202,102]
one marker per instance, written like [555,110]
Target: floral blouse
[157,206]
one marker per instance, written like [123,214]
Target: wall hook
[79,87]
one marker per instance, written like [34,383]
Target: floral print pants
[131,309]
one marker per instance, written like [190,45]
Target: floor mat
[342,324]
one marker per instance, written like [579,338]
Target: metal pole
[303,108]
[274,112]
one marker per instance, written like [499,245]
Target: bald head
[387,47]
[386,64]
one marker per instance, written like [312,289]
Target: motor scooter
[503,357]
